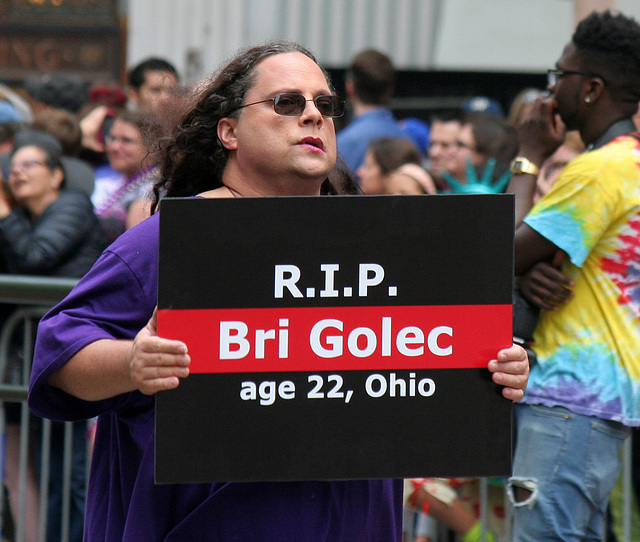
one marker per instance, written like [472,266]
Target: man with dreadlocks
[584,392]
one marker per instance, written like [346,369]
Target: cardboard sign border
[189,452]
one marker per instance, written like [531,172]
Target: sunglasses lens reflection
[289,104]
[294,104]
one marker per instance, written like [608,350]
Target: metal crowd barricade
[30,297]
[33,296]
[443,534]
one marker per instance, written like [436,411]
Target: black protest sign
[335,337]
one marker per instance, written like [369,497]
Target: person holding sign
[262,127]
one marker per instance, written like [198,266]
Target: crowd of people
[76,173]
[85,168]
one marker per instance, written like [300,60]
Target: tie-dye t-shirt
[589,350]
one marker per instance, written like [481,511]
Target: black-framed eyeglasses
[556,73]
[292,104]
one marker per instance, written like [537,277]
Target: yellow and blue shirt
[589,350]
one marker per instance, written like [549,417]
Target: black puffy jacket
[64,241]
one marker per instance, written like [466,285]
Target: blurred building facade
[445,50]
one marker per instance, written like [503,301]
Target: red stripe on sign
[339,338]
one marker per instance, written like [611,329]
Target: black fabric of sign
[435,250]
[445,435]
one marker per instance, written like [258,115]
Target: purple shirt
[114,301]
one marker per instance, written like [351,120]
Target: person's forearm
[524,188]
[540,134]
[99,371]
[523,185]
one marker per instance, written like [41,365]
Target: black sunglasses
[555,74]
[291,104]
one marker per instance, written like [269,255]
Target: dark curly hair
[193,158]
[609,45]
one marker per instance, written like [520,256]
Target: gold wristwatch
[520,165]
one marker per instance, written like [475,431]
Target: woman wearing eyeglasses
[50,231]
[123,187]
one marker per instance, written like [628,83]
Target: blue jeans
[564,468]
